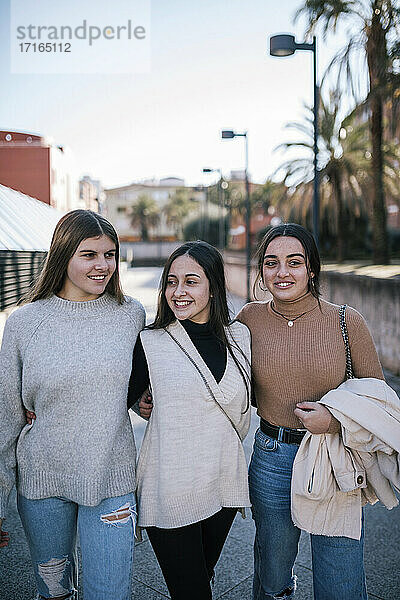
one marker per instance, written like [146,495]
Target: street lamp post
[203,204]
[285,45]
[206,218]
[228,134]
[226,218]
[221,236]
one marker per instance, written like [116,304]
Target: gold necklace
[290,322]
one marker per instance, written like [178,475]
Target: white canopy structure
[25,223]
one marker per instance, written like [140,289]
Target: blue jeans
[338,562]
[106,537]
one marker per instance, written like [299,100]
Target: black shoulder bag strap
[204,380]
[345,335]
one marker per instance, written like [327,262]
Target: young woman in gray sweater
[66,355]
[192,472]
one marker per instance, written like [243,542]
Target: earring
[260,281]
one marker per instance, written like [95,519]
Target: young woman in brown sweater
[298,355]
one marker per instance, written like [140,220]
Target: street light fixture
[221,224]
[285,45]
[205,220]
[228,134]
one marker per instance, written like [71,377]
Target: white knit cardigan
[334,475]
[192,461]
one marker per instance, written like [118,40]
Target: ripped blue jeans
[106,539]
[338,569]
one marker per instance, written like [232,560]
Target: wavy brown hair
[70,231]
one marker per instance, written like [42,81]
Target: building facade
[119,201]
[31,164]
[91,194]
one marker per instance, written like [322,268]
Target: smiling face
[285,268]
[90,269]
[188,290]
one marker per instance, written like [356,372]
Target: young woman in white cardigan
[192,473]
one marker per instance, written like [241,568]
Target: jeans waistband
[286,435]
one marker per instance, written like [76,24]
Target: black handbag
[345,335]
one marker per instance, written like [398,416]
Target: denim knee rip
[121,516]
[52,573]
[73,596]
[288,592]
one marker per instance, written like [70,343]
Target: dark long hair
[70,231]
[210,260]
[313,261]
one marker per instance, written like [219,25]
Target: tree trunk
[341,225]
[143,227]
[377,62]
[379,229]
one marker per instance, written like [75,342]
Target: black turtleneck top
[207,344]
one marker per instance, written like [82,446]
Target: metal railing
[18,269]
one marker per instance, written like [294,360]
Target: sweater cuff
[3,503]
[334,426]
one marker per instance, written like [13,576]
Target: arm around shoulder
[140,379]
[242,336]
[243,313]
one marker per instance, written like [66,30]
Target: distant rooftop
[238,175]
[17,139]
[151,183]
[172,181]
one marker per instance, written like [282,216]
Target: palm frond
[326,13]
[307,129]
[345,68]
[287,145]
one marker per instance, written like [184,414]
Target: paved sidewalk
[234,570]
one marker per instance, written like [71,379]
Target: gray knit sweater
[69,362]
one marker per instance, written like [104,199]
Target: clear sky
[210,70]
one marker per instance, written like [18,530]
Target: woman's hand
[30,416]
[4,537]
[315,417]
[146,405]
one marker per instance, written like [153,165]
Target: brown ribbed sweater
[303,362]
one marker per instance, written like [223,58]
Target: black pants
[188,555]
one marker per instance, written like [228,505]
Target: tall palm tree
[178,207]
[145,213]
[375,25]
[268,195]
[341,159]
